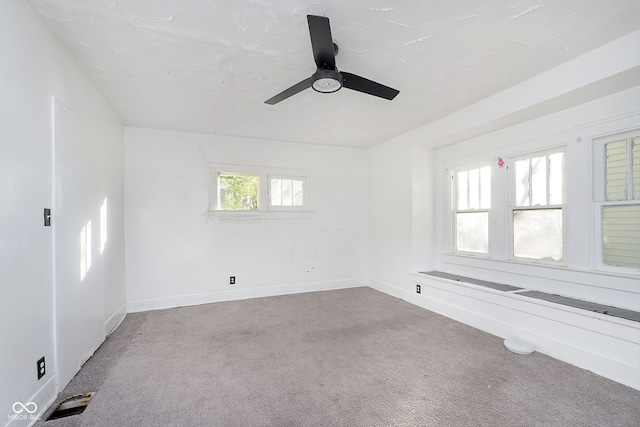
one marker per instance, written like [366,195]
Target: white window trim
[265,210]
[511,205]
[599,202]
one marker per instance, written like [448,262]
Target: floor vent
[472,281]
[73,405]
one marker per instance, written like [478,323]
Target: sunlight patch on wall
[103,225]
[85,250]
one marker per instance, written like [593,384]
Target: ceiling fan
[327,78]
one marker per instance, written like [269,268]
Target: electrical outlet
[418,290]
[41,367]
[232,280]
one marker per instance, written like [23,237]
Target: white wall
[177,255]
[400,212]
[549,110]
[34,70]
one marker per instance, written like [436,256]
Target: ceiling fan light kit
[326,81]
[327,78]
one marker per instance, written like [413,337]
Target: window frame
[599,202]
[512,207]
[265,209]
[454,211]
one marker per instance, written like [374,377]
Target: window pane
[276,192]
[616,170]
[537,233]
[621,235]
[522,182]
[298,192]
[238,192]
[462,190]
[556,178]
[472,232]
[635,150]
[474,189]
[287,194]
[539,181]
[485,188]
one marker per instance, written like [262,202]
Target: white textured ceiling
[208,65]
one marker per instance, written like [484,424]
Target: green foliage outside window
[239,192]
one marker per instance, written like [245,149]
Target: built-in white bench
[558,299]
[596,337]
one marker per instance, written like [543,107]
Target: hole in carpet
[73,405]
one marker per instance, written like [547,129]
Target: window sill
[479,255]
[512,261]
[258,215]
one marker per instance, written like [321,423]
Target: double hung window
[617,200]
[536,206]
[472,201]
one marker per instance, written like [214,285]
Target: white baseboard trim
[134,306]
[43,398]
[605,346]
[115,319]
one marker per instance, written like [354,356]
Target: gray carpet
[352,357]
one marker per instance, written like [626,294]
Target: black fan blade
[298,87]
[351,81]
[321,41]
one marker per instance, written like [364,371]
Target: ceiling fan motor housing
[326,81]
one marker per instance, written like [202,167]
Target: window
[617,205]
[286,192]
[472,201]
[237,190]
[536,208]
